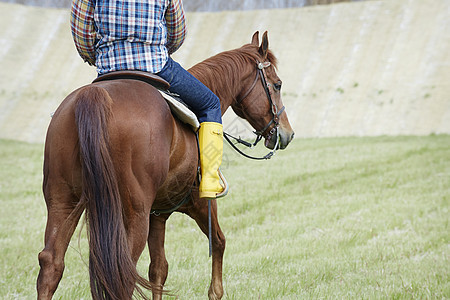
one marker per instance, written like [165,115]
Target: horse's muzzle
[284,138]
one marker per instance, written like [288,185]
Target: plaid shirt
[127,34]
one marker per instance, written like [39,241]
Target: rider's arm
[83,31]
[176,26]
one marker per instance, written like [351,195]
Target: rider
[141,35]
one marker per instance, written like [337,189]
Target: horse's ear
[264,46]
[255,39]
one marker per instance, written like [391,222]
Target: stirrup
[224,184]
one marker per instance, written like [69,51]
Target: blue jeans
[204,103]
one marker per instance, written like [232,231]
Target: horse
[114,150]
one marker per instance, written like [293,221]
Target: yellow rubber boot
[210,138]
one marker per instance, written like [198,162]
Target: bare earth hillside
[364,68]
[204,5]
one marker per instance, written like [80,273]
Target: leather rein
[260,74]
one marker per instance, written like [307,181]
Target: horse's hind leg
[63,217]
[199,212]
[158,263]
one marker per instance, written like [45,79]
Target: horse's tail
[113,274]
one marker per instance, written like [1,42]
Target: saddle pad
[181,111]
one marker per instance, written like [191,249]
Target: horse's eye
[277,85]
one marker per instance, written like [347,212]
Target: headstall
[260,74]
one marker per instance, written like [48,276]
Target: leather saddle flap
[183,112]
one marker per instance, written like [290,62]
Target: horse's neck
[225,84]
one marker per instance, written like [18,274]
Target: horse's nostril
[292,136]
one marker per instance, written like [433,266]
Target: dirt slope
[365,68]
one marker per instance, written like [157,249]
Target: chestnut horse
[114,149]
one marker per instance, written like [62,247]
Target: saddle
[149,78]
[176,104]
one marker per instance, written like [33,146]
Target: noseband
[261,74]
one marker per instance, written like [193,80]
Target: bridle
[260,74]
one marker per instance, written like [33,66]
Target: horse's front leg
[158,265]
[199,212]
[218,248]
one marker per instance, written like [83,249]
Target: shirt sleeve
[176,25]
[83,30]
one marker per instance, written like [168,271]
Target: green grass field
[341,218]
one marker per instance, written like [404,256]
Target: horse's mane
[219,72]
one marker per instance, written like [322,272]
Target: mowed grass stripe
[336,218]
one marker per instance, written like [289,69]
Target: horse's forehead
[272,73]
